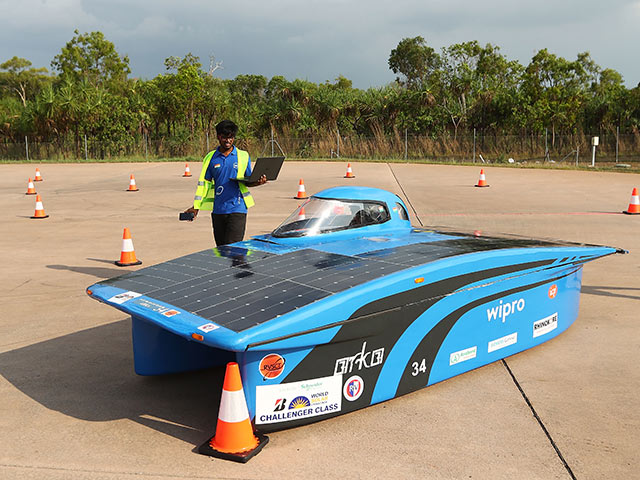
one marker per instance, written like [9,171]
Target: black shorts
[228,227]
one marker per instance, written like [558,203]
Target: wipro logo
[503,310]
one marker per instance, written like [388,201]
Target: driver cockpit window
[320,215]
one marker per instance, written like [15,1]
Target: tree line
[462,88]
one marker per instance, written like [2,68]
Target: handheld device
[186,216]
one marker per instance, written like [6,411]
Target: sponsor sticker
[123,297]
[502,342]
[545,325]
[463,355]
[170,313]
[502,310]
[271,366]
[362,359]
[208,327]
[287,402]
[353,388]
[156,307]
[553,291]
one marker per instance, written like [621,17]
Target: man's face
[226,141]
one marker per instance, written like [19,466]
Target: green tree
[17,76]
[92,57]
[414,61]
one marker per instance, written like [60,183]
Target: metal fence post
[406,157]
[272,141]
[207,140]
[338,150]
[26,146]
[474,144]
[86,153]
[617,138]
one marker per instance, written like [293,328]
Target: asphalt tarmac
[71,406]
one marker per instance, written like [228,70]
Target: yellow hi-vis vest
[205,193]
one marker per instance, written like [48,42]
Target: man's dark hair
[226,128]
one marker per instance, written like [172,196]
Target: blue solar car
[345,305]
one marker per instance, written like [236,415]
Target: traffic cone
[482,182]
[349,173]
[302,194]
[39,209]
[234,438]
[634,204]
[38,177]
[187,170]
[31,189]
[128,254]
[132,184]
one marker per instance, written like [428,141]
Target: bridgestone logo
[545,325]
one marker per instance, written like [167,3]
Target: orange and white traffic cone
[31,189]
[187,170]
[234,438]
[38,177]
[302,194]
[39,209]
[634,204]
[128,254]
[349,173]
[132,184]
[482,182]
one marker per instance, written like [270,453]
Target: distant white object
[511,160]
[595,141]
[480,155]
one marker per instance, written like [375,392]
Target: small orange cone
[349,173]
[482,182]
[132,184]
[234,438]
[38,177]
[31,189]
[39,209]
[187,170]
[634,204]
[302,194]
[128,254]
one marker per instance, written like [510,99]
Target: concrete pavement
[71,406]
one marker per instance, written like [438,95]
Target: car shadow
[607,291]
[89,375]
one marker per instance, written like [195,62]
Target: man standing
[221,187]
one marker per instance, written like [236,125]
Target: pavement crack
[540,422]
[415,213]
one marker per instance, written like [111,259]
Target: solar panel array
[238,290]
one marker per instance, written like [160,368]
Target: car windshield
[321,215]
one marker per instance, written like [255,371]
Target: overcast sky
[320,40]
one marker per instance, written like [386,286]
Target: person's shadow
[89,375]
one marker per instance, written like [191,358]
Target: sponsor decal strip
[545,325]
[502,342]
[298,400]
[463,355]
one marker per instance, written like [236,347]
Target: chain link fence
[403,146]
